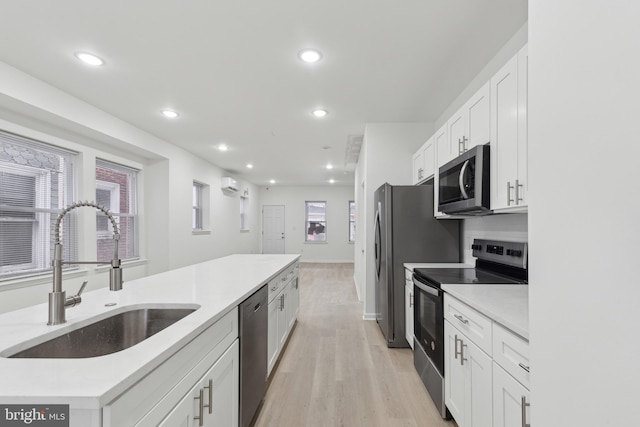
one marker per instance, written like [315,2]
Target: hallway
[336,369]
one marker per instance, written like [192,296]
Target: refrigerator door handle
[378,241]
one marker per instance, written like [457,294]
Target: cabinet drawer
[475,325]
[512,353]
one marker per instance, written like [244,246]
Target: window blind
[36,183]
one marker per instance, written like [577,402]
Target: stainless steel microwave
[464,183]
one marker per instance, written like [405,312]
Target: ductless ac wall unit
[229,184]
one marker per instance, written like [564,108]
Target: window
[196,217]
[352,221]
[36,183]
[244,213]
[116,191]
[316,221]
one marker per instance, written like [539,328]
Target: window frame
[197,213]
[307,222]
[51,159]
[115,189]
[244,213]
[352,221]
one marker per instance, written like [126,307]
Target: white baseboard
[369,316]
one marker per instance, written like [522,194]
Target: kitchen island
[93,385]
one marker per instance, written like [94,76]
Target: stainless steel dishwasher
[253,354]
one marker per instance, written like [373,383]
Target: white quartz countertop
[505,304]
[413,265]
[216,286]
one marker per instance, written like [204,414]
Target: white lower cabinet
[163,393]
[487,377]
[408,306]
[284,303]
[468,374]
[508,397]
[213,401]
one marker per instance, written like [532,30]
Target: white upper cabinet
[424,162]
[469,126]
[509,180]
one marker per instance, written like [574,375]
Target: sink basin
[108,335]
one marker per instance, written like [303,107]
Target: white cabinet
[213,401]
[469,126]
[284,303]
[408,306]
[486,369]
[468,369]
[509,180]
[273,343]
[424,162]
[211,355]
[508,398]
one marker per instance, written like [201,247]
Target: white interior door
[272,229]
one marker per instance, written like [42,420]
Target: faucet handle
[76,299]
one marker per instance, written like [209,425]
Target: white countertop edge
[511,310]
[414,265]
[83,384]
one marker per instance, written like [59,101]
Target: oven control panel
[509,253]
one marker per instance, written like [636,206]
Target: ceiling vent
[229,184]
[354,144]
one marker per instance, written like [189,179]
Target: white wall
[508,227]
[584,215]
[337,248]
[32,108]
[386,156]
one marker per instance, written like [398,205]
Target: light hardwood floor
[337,369]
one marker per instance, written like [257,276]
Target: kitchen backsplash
[510,227]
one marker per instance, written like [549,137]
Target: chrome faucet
[57,299]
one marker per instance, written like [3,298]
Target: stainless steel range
[498,263]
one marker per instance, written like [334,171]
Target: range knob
[476,247]
[514,252]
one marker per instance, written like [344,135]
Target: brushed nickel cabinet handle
[210,388]
[200,399]
[523,366]
[509,199]
[524,405]
[517,187]
[462,319]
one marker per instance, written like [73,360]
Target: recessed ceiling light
[331,181]
[89,58]
[329,166]
[223,147]
[170,114]
[249,165]
[319,112]
[272,181]
[309,55]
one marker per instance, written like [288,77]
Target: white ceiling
[231,69]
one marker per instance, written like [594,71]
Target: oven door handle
[465,196]
[426,288]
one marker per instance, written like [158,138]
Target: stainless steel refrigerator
[406,231]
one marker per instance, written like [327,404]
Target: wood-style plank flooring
[337,370]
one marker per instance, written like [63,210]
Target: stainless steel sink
[108,335]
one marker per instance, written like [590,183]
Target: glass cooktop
[463,276]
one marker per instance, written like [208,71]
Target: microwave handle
[465,196]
